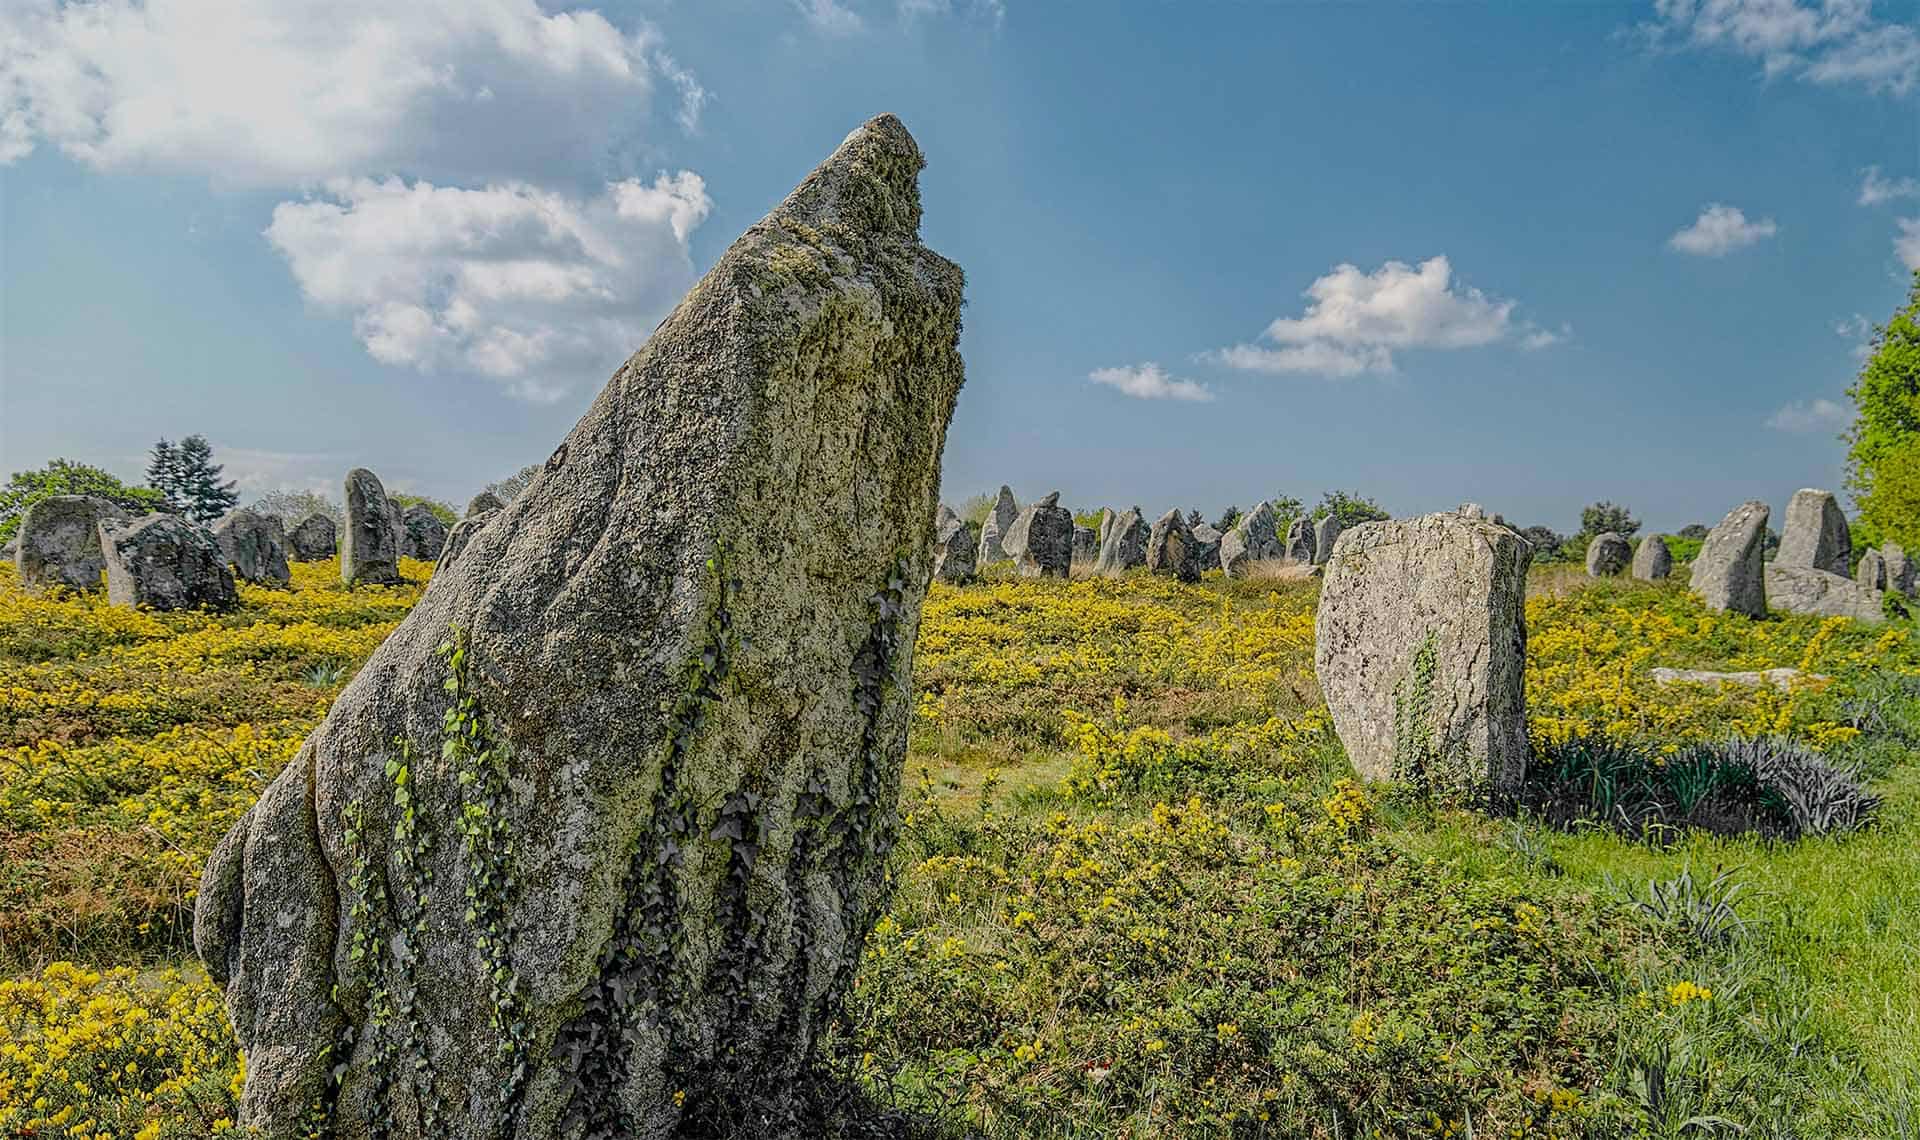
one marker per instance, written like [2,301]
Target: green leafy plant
[68,477]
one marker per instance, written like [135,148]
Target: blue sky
[1527,255]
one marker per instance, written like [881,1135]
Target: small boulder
[256,546]
[164,562]
[955,546]
[1170,548]
[1871,571]
[58,542]
[1125,546]
[993,532]
[313,538]
[482,503]
[1816,533]
[1040,541]
[370,544]
[1607,555]
[1728,571]
[1652,562]
[1805,590]
[1326,532]
[1299,542]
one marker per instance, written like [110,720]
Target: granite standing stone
[164,562]
[1871,571]
[1170,548]
[626,896]
[1300,541]
[426,534]
[58,541]
[313,538]
[1206,546]
[955,546]
[256,545]
[1607,555]
[993,532]
[1805,590]
[1420,647]
[462,534]
[369,545]
[1900,569]
[1125,547]
[1252,540]
[1728,572]
[1107,517]
[1326,532]
[1653,562]
[1816,533]
[1040,541]
[1086,545]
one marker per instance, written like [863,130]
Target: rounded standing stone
[1607,555]
[58,541]
[370,543]
[164,562]
[1729,573]
[1653,561]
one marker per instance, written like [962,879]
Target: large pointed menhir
[602,868]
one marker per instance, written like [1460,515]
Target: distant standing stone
[1728,573]
[1420,648]
[256,545]
[1816,533]
[1607,555]
[955,546]
[59,541]
[1040,541]
[1653,562]
[370,546]
[1326,532]
[942,517]
[993,531]
[1086,545]
[1900,568]
[426,534]
[1170,548]
[1300,541]
[165,562]
[313,538]
[1206,547]
[1251,540]
[1107,516]
[483,502]
[1126,545]
[1872,570]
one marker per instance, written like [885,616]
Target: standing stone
[1421,645]
[628,898]
[1086,545]
[1107,517]
[164,562]
[993,531]
[1300,541]
[461,534]
[1652,562]
[1170,548]
[1805,590]
[942,517]
[1871,571]
[426,534]
[482,503]
[397,519]
[369,548]
[256,545]
[1900,569]
[954,549]
[1728,572]
[1206,547]
[1816,533]
[59,541]
[313,538]
[1326,532]
[1040,541]
[1607,555]
[1252,540]
[1126,545]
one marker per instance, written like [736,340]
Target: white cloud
[994,11]
[831,18]
[1859,330]
[256,472]
[1834,41]
[1150,382]
[1907,246]
[1355,320]
[529,287]
[1810,416]
[295,92]
[1719,230]
[1874,189]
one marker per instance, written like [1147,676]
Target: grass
[1137,892]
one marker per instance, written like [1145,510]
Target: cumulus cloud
[529,287]
[1720,230]
[1875,189]
[1832,42]
[1355,320]
[1802,416]
[1907,246]
[1859,330]
[830,18]
[1150,382]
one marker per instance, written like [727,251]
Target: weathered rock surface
[1607,555]
[313,538]
[687,648]
[1652,561]
[1040,541]
[1086,545]
[1206,547]
[1727,573]
[993,531]
[1326,532]
[954,549]
[1251,540]
[1300,540]
[58,542]
[462,534]
[1170,548]
[1125,546]
[370,543]
[256,546]
[942,517]
[1816,533]
[482,503]
[1107,517]
[1805,590]
[1901,574]
[426,534]
[1420,647]
[164,562]
[1871,571]
[1778,678]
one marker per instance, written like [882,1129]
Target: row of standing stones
[1043,541]
[166,562]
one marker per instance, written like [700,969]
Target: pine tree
[163,474]
[189,478]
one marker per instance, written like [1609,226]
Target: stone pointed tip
[871,181]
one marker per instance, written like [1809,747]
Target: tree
[1883,442]
[976,509]
[506,489]
[1694,530]
[1351,508]
[1195,518]
[67,477]
[442,511]
[1602,517]
[292,506]
[1545,542]
[1228,518]
[189,478]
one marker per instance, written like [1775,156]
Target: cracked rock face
[1441,597]
[685,658]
